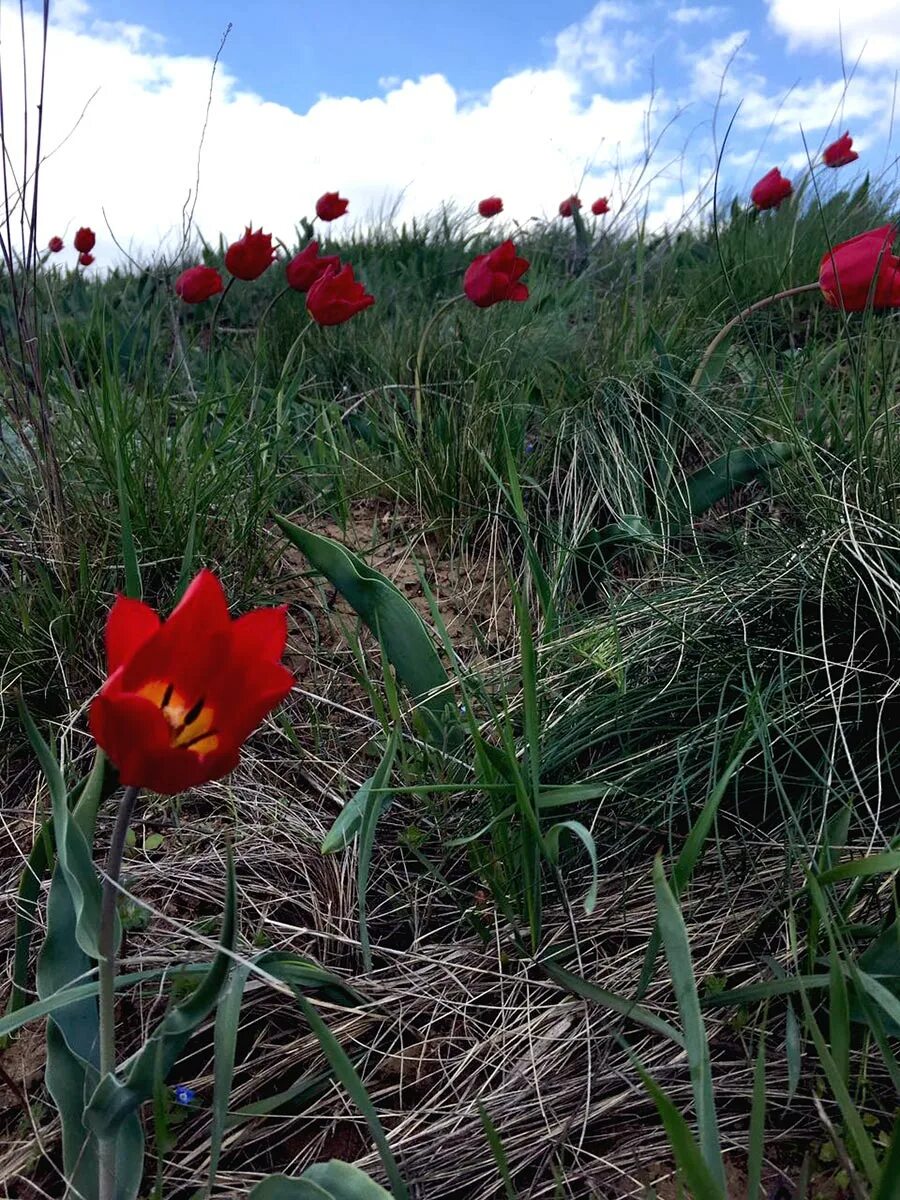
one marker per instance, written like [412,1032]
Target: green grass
[713,681]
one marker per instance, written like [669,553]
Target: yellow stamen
[191,724]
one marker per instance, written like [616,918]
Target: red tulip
[493,277]
[840,153]
[197,284]
[490,207]
[861,272]
[85,259]
[252,254]
[85,240]
[568,207]
[771,190]
[336,296]
[599,207]
[330,206]
[182,696]
[305,268]
[55,245]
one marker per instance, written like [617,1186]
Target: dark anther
[201,737]
[193,713]
[167,696]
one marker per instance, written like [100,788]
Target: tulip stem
[420,356]
[107,973]
[742,316]
[214,319]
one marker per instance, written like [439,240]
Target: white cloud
[590,48]
[697,14]
[866,29]
[531,138]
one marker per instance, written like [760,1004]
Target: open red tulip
[496,276]
[600,206]
[85,259]
[862,272]
[183,695]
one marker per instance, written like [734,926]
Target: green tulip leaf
[115,1099]
[386,611]
[325,1181]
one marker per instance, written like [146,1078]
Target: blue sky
[406,106]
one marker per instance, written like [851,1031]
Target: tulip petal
[262,632]
[129,625]
[187,647]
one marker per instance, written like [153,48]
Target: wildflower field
[449,714]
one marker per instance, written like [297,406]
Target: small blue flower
[184,1095]
[529,447]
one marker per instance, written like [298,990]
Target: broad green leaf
[228,1015]
[874,864]
[889,1184]
[719,478]
[678,954]
[115,1099]
[325,1181]
[389,615]
[702,1182]
[72,848]
[346,827]
[347,1075]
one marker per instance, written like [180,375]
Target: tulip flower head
[840,153]
[182,695]
[306,267]
[496,276]
[600,206]
[569,207]
[330,206]
[85,240]
[55,245]
[862,272]
[85,259]
[252,254]
[197,284]
[769,191]
[336,296]
[490,206]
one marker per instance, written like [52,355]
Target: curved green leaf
[719,478]
[325,1181]
[386,611]
[581,832]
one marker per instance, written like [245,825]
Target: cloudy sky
[407,104]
